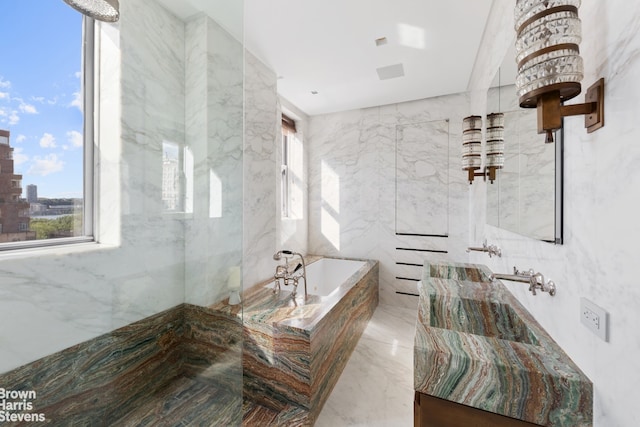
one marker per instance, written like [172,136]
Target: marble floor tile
[376,387]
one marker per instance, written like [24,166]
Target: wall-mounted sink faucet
[490,249]
[535,280]
[283,276]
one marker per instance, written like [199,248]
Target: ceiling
[329,46]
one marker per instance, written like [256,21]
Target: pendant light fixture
[101,10]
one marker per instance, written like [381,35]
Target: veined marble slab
[186,352]
[294,353]
[477,345]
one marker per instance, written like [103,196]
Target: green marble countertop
[477,345]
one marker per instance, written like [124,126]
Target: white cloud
[4,83]
[20,138]
[77,100]
[47,141]
[45,165]
[39,99]
[28,108]
[75,138]
[19,157]
[14,118]
[4,95]
[78,74]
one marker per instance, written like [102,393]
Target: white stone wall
[601,230]
[352,190]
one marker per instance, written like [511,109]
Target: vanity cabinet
[431,411]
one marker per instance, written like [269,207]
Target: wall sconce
[472,146]
[495,144]
[550,68]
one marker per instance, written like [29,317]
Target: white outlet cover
[595,318]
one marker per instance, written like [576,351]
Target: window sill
[63,249]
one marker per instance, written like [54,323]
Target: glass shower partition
[137,328]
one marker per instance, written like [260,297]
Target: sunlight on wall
[411,36]
[330,187]
[394,347]
[330,191]
[296,171]
[215,195]
[188,180]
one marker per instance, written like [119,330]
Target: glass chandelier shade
[495,140]
[101,10]
[471,143]
[547,49]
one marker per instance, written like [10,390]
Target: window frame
[288,132]
[284,176]
[88,88]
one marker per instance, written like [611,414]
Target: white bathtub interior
[326,275]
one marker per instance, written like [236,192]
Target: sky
[40,64]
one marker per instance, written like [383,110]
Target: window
[288,132]
[46,137]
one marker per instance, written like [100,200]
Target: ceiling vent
[390,72]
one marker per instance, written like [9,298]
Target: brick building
[14,211]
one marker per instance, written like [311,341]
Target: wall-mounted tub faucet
[283,275]
[535,280]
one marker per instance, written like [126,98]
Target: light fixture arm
[551,111]
[488,172]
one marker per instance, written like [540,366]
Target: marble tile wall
[601,230]
[51,299]
[352,189]
[265,230]
[261,170]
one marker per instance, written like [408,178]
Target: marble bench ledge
[476,345]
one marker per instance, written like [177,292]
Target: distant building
[170,183]
[32,193]
[14,211]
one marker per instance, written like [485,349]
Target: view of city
[41,122]
[32,218]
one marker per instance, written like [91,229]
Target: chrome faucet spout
[535,280]
[517,276]
[282,271]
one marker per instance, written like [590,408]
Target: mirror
[526,197]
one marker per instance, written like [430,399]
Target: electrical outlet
[595,318]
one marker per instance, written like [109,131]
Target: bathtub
[294,350]
[326,276]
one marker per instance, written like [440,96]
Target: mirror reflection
[526,197]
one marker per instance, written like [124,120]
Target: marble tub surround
[476,345]
[123,375]
[294,352]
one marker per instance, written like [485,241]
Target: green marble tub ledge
[527,377]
